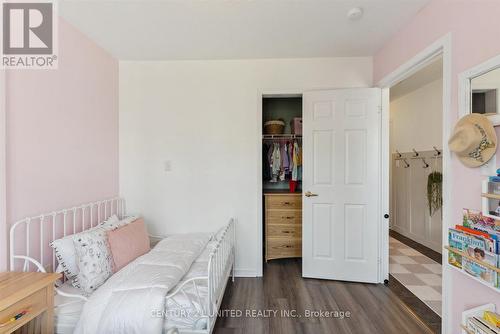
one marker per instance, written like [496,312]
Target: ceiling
[237,29]
[426,75]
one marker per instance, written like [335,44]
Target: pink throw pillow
[128,242]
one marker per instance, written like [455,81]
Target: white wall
[416,113]
[416,122]
[204,116]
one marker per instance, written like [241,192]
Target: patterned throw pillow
[65,249]
[94,260]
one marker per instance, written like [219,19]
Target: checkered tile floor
[418,273]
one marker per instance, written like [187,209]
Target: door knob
[310,194]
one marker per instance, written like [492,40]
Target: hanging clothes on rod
[282,160]
[297,162]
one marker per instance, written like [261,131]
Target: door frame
[441,47]
[260,208]
[3,174]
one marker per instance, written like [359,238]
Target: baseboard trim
[246,273]
[431,245]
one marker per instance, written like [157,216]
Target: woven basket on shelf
[274,127]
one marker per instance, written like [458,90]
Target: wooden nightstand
[27,291]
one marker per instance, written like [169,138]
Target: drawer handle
[286,203]
[286,217]
[286,231]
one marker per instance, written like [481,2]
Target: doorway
[333,225]
[282,179]
[416,174]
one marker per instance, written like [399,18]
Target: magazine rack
[474,312]
[459,252]
[487,265]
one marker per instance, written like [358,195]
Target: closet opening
[416,174]
[282,181]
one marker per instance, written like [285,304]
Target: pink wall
[475,30]
[62,131]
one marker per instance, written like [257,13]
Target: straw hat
[474,140]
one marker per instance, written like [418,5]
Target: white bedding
[67,316]
[68,309]
[127,301]
[184,312]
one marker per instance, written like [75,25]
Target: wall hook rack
[416,153]
[426,165]
[406,163]
[398,153]
[438,152]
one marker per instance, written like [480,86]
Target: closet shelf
[493,196]
[484,264]
[283,136]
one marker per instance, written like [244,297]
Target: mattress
[67,310]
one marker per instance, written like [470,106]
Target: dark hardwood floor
[418,307]
[373,308]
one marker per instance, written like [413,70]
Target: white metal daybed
[190,307]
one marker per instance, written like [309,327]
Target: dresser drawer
[284,216]
[283,202]
[283,247]
[284,230]
[35,303]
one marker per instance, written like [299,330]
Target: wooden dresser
[283,225]
[29,292]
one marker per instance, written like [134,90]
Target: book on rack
[478,237]
[478,247]
[478,325]
[476,221]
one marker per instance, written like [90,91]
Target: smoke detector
[355,13]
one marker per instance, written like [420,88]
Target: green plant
[434,192]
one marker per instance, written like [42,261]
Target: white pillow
[65,250]
[93,259]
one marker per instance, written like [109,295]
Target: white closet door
[341,184]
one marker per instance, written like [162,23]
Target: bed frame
[30,251]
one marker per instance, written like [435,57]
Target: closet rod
[282,136]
